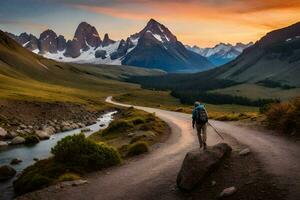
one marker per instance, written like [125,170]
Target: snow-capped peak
[158,31]
[221,52]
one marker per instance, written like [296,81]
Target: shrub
[78,151]
[285,116]
[31,139]
[37,176]
[138,120]
[72,155]
[117,126]
[69,177]
[136,138]
[138,148]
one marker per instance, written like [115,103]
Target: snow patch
[88,56]
[289,39]
[46,37]
[160,28]
[158,37]
[25,43]
[36,51]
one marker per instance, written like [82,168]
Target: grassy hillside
[26,76]
[268,69]
[254,91]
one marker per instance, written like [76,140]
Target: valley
[97,118]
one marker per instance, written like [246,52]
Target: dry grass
[285,116]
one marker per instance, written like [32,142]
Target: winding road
[153,176]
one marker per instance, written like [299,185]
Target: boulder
[3,133]
[43,135]
[74,126]
[6,172]
[23,126]
[198,164]
[85,130]
[73,183]
[3,144]
[11,134]
[244,152]
[50,130]
[81,125]
[15,161]
[66,128]
[18,140]
[228,192]
[65,124]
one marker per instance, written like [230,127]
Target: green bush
[138,120]
[31,139]
[136,138]
[117,126]
[78,151]
[138,148]
[69,177]
[37,176]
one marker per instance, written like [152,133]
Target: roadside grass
[138,148]
[69,177]
[285,117]
[254,91]
[163,100]
[130,127]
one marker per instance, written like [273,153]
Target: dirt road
[153,176]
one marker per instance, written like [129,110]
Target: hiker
[200,119]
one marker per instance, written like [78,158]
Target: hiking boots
[204,145]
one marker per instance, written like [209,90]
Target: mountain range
[153,47]
[271,64]
[221,53]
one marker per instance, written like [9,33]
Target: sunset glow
[204,23]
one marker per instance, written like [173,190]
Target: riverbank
[24,118]
[28,154]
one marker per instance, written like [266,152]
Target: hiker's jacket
[194,114]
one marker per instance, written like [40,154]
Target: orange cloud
[25,24]
[208,22]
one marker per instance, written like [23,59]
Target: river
[40,151]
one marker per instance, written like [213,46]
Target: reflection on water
[40,151]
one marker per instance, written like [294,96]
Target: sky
[195,22]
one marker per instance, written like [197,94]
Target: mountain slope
[157,47]
[153,47]
[272,62]
[27,76]
[274,57]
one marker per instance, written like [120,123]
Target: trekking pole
[216,131]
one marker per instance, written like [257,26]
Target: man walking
[200,119]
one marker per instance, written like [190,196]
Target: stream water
[40,151]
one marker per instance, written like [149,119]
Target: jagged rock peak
[159,31]
[47,41]
[87,35]
[107,41]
